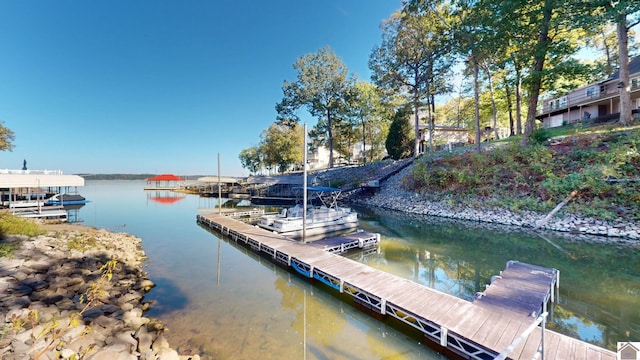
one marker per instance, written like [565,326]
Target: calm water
[225,302]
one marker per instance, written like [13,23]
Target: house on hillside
[598,101]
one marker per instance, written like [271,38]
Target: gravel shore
[391,196]
[61,300]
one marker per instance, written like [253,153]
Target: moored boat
[66,199]
[321,221]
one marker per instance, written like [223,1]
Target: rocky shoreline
[63,296]
[392,197]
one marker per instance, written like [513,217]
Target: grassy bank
[602,164]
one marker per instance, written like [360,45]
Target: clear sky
[161,86]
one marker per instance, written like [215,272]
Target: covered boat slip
[453,325]
[31,182]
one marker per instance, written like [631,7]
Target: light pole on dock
[219,188]
[304,185]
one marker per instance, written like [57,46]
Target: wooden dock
[452,325]
[522,289]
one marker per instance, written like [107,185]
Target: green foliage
[281,146]
[337,183]
[539,136]
[14,225]
[250,159]
[6,250]
[604,168]
[6,138]
[82,242]
[399,141]
[322,86]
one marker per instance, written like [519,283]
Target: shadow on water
[166,298]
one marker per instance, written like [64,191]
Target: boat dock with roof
[27,183]
[459,328]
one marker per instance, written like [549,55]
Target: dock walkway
[522,289]
[453,325]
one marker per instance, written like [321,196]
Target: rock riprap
[391,196]
[78,293]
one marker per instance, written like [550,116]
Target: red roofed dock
[164,182]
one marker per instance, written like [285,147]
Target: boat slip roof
[39,180]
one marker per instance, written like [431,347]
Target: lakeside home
[596,101]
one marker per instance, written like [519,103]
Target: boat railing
[31,172]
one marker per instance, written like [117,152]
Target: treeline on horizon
[129,176]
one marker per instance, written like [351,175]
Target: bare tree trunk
[507,90]
[607,51]
[364,142]
[429,122]
[494,109]
[330,135]
[538,65]
[625,86]
[416,125]
[518,97]
[432,115]
[476,95]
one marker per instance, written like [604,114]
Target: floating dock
[56,213]
[452,325]
[522,289]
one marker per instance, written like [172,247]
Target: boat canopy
[165,177]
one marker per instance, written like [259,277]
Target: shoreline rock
[60,300]
[392,197]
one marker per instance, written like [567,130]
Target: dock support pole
[443,336]
[558,285]
[383,306]
[219,188]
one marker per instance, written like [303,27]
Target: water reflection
[309,318]
[229,303]
[599,283]
[164,197]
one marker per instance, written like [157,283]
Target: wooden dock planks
[485,326]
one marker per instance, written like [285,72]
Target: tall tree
[321,87]
[251,159]
[398,141]
[6,138]
[624,15]
[281,146]
[364,107]
[410,58]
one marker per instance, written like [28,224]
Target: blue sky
[161,86]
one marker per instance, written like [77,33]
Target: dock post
[383,306]
[443,336]
[558,284]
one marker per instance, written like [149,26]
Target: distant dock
[458,328]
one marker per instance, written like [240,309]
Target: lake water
[225,302]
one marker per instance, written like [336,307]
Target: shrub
[14,225]
[540,136]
